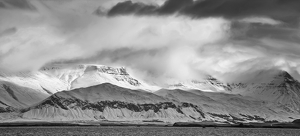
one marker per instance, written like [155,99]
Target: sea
[143,131]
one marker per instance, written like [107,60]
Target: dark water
[145,131]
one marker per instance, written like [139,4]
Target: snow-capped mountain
[110,102]
[97,92]
[88,75]
[276,87]
[280,88]
[107,101]
[24,89]
[209,84]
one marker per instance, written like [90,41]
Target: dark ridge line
[47,90]
[3,103]
[10,92]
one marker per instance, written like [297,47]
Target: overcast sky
[185,39]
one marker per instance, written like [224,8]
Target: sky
[232,40]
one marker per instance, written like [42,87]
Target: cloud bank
[183,39]
[232,9]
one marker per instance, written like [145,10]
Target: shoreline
[151,124]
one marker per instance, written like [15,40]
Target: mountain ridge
[116,103]
[89,92]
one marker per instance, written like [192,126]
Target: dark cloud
[19,4]
[173,6]
[129,7]
[169,7]
[285,10]
[278,9]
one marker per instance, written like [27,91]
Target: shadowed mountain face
[94,92]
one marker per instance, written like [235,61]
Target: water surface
[145,131]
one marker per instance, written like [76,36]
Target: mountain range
[98,92]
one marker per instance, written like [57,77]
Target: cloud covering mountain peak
[173,38]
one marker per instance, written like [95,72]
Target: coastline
[150,124]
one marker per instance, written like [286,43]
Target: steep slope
[39,80]
[24,89]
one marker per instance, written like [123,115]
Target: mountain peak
[88,68]
[111,70]
[285,76]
